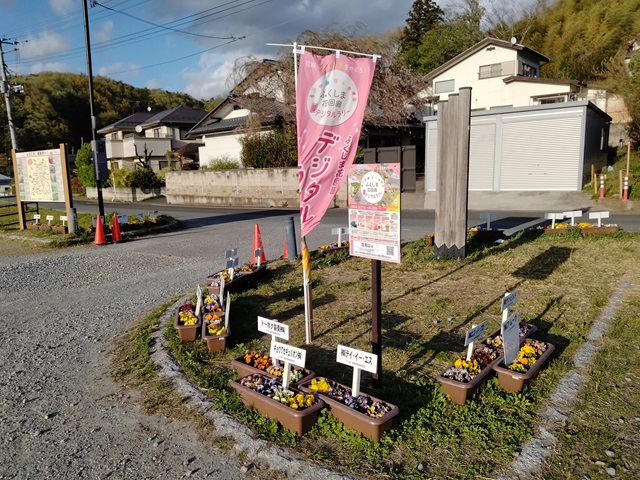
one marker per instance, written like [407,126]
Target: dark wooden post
[376,320]
[452,175]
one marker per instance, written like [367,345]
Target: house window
[527,70]
[444,86]
[156,133]
[497,70]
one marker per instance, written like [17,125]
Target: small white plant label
[573,215]
[488,216]
[49,218]
[36,216]
[553,217]
[227,312]
[273,328]
[63,219]
[287,353]
[511,338]
[199,302]
[475,333]
[141,217]
[509,299]
[357,358]
[598,215]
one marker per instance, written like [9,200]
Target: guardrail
[9,207]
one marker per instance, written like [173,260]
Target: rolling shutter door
[481,155]
[541,152]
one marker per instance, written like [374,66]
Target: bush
[274,149]
[76,187]
[223,162]
[144,178]
[84,164]
[161,174]
[121,177]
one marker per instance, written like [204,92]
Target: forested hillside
[54,108]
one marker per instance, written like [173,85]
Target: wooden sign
[287,353]
[598,215]
[511,338]
[573,215]
[273,328]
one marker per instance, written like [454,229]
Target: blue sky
[185,46]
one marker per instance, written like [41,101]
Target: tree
[423,16]
[84,165]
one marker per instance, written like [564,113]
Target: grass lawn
[564,282]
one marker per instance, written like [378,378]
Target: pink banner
[331,98]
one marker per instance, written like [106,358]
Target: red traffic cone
[99,238]
[257,244]
[116,236]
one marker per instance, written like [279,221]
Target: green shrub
[161,174]
[121,177]
[84,165]
[274,149]
[222,162]
[76,187]
[144,178]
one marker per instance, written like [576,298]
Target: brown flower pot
[60,228]
[511,381]
[187,332]
[334,249]
[239,283]
[558,231]
[533,329]
[599,230]
[245,369]
[33,226]
[45,227]
[215,343]
[367,426]
[298,421]
[431,241]
[459,392]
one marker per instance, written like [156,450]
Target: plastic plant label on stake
[339,231]
[359,360]
[553,217]
[488,217]
[573,215]
[63,219]
[49,218]
[598,215]
[475,333]
[289,355]
[199,301]
[231,257]
[511,338]
[226,312]
[257,254]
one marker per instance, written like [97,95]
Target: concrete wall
[111,194]
[268,187]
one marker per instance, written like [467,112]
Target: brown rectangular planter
[60,228]
[558,231]
[33,226]
[459,392]
[599,230]
[215,343]
[245,369]
[367,426]
[187,333]
[298,421]
[533,329]
[239,283]
[45,227]
[334,249]
[511,381]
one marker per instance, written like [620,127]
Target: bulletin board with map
[41,177]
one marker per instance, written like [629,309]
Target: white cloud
[152,84]
[212,76]
[63,6]
[103,32]
[50,67]
[118,68]
[48,43]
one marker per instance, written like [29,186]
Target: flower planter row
[301,421]
[457,384]
[241,279]
[47,227]
[584,231]
[188,333]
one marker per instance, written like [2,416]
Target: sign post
[599,216]
[553,217]
[573,215]
[339,231]
[277,330]
[510,328]
[488,217]
[475,333]
[359,360]
[289,355]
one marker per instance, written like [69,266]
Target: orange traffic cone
[99,238]
[257,243]
[116,236]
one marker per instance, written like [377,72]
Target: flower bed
[463,378]
[526,331]
[368,415]
[241,278]
[293,409]
[334,247]
[186,322]
[214,331]
[530,359]
[259,363]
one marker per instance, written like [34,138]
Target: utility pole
[94,143]
[5,89]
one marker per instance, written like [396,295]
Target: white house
[527,132]
[149,135]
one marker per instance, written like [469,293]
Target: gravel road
[61,415]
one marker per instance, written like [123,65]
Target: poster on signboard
[40,176]
[374,211]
